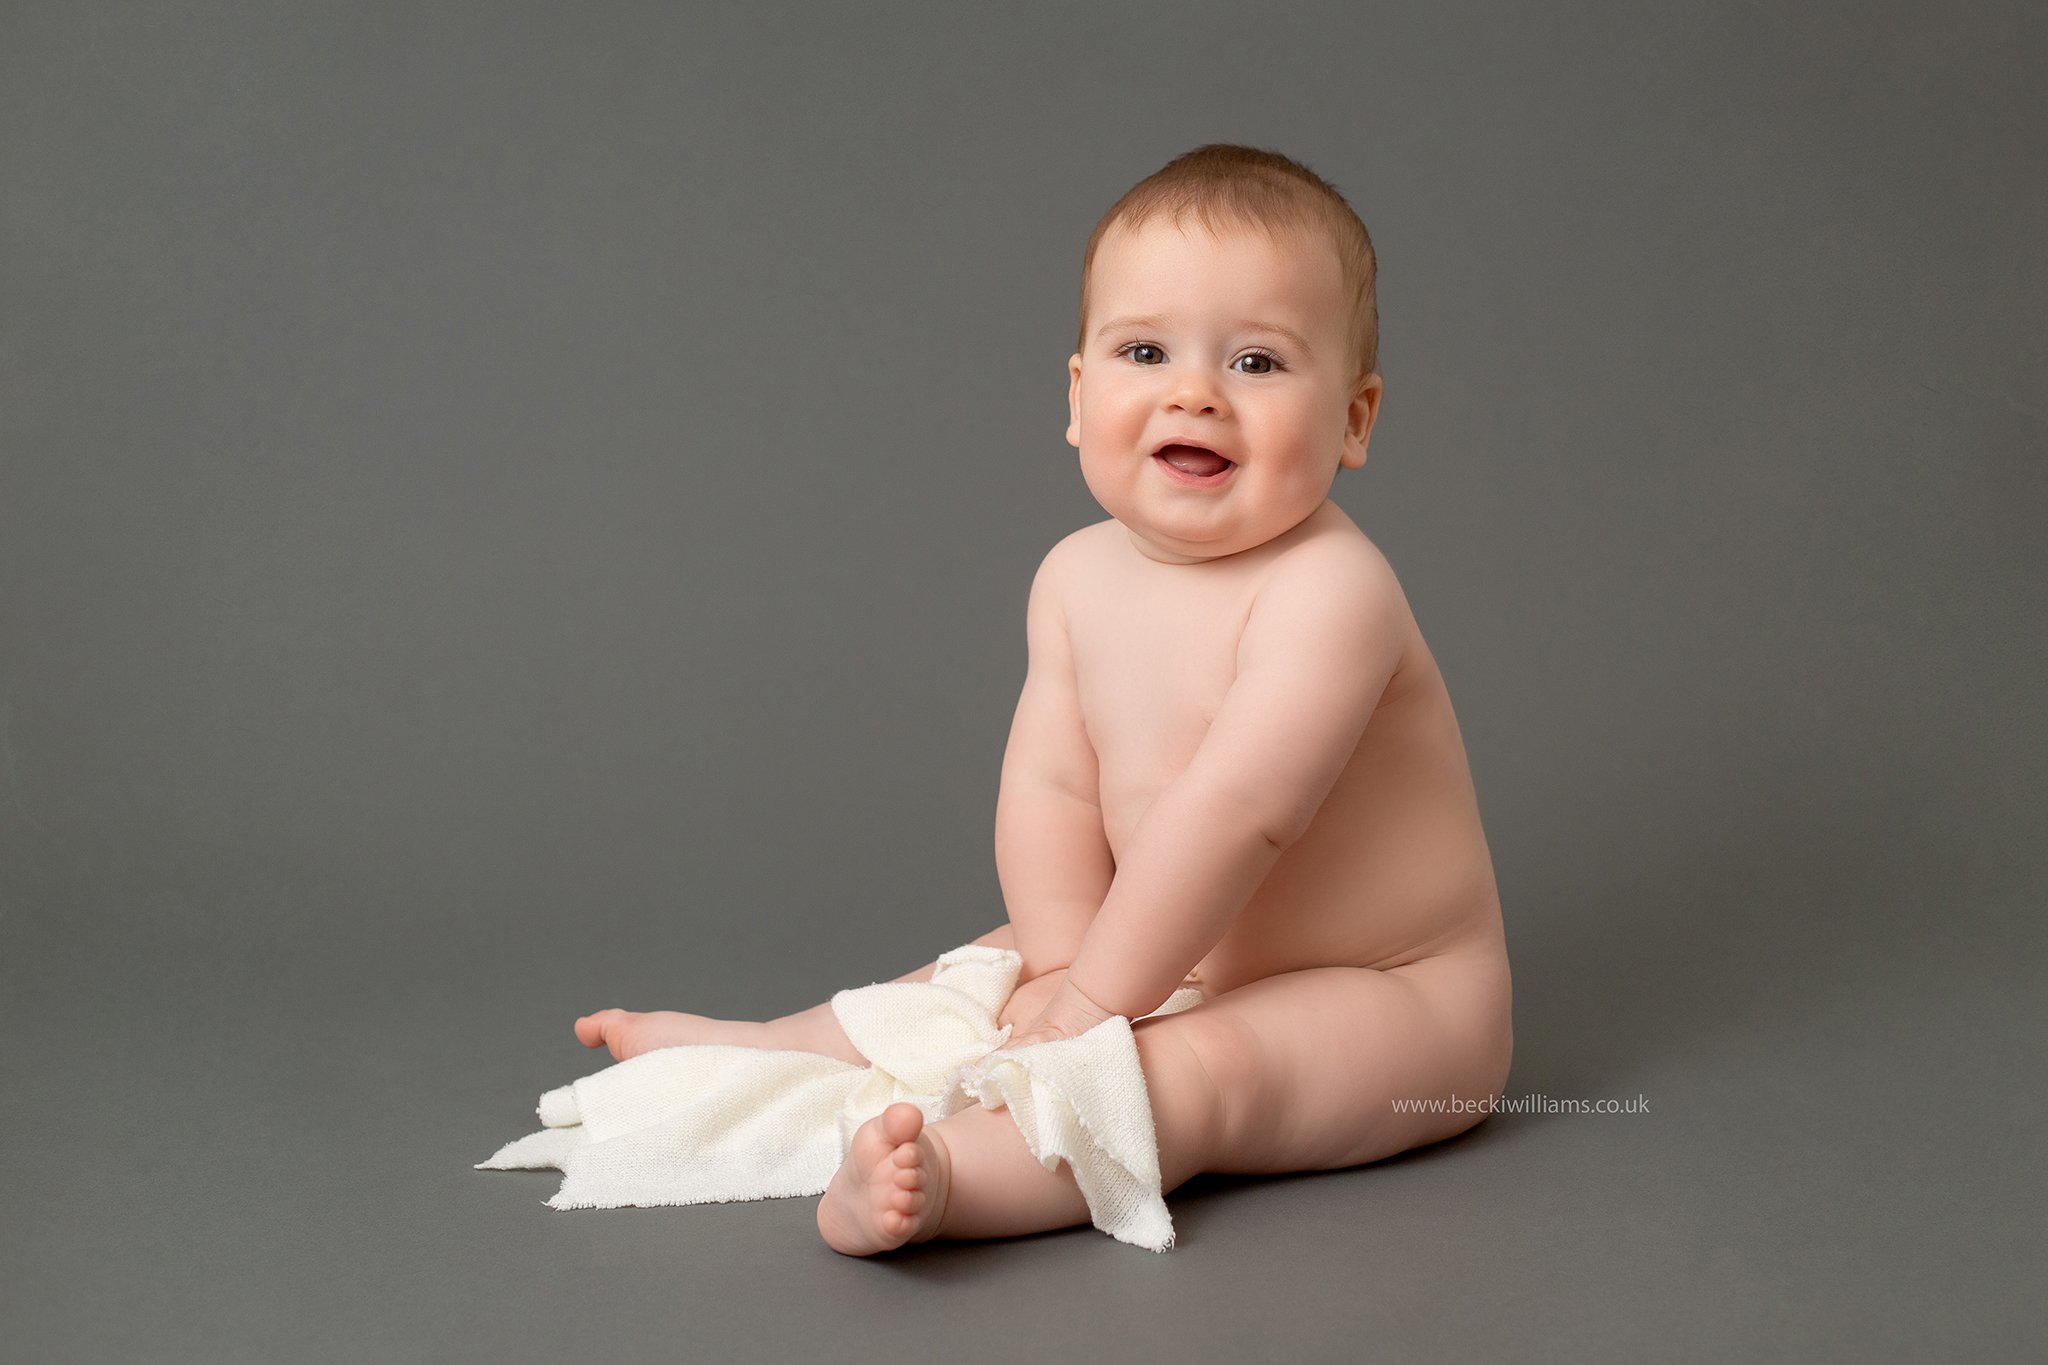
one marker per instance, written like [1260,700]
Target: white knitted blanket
[712,1124]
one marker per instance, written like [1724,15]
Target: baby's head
[1227,302]
[1227,188]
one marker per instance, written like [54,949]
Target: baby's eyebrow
[1147,320]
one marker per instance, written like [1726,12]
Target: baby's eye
[1141,351]
[1263,362]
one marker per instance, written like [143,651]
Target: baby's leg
[628,1033]
[971,1174]
[1324,1055]
[1295,1072]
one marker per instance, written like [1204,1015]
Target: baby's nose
[1195,395]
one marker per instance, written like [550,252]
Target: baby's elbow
[1270,815]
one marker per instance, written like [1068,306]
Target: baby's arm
[1052,856]
[1322,640]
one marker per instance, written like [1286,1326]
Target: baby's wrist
[1071,1011]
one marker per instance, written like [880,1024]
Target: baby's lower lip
[1181,476]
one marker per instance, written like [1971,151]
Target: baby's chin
[1158,539]
[1176,549]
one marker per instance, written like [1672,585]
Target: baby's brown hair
[1222,185]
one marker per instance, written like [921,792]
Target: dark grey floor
[257,1146]
[506,514]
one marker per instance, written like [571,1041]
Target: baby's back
[1393,868]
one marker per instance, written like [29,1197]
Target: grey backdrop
[506,511]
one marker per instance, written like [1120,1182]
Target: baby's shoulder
[1333,559]
[1090,539]
[1080,553]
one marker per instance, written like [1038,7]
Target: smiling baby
[1234,764]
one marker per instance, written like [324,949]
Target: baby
[1234,764]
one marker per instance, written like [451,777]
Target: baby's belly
[1355,894]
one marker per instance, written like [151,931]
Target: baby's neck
[1160,554]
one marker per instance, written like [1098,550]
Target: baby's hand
[1030,998]
[1068,1014]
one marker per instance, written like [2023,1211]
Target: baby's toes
[900,1210]
[905,1192]
[590,1028]
[898,1183]
[612,1029]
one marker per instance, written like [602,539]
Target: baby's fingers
[1032,1035]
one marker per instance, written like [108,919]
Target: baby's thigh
[1310,1065]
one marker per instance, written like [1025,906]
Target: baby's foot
[628,1033]
[891,1188]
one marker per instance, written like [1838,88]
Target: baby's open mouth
[1193,460]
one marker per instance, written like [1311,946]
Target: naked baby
[1234,764]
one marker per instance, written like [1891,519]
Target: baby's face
[1238,343]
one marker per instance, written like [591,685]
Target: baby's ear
[1074,400]
[1363,411]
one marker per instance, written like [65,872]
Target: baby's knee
[1205,1063]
